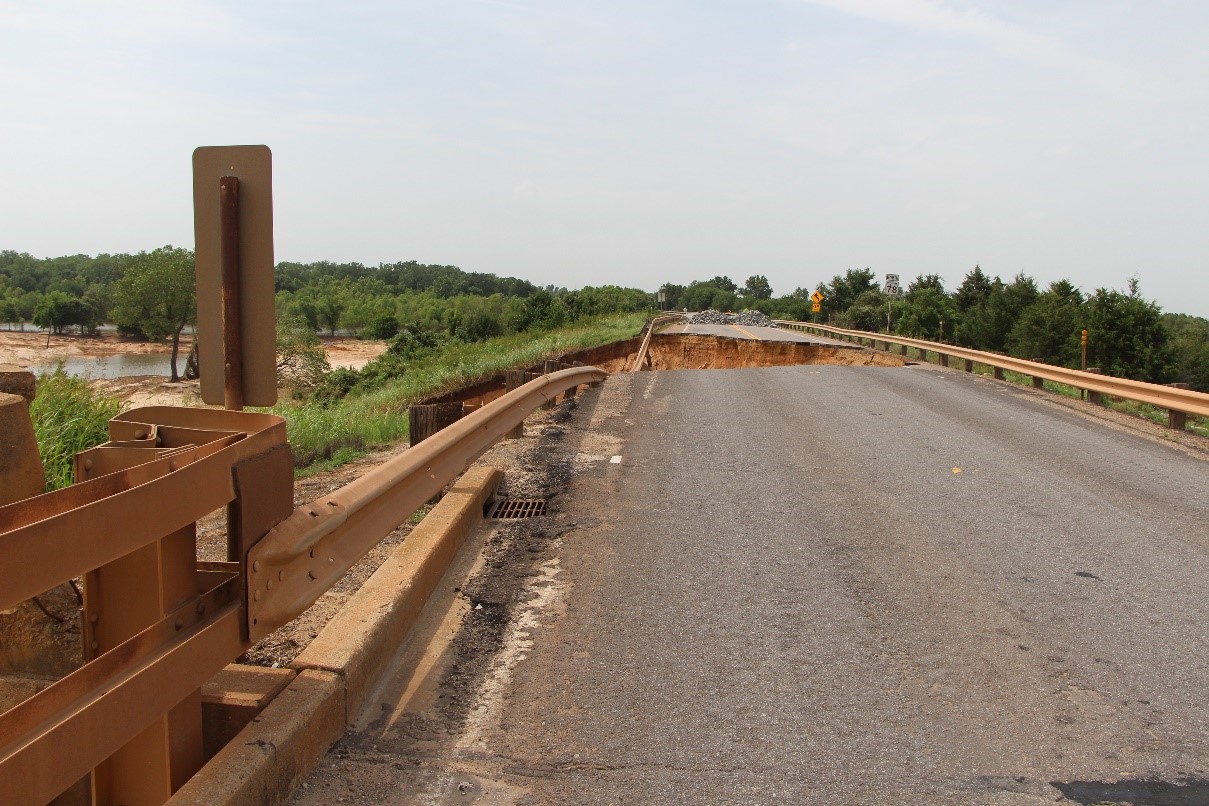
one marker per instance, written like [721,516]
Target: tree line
[150,295]
[1128,335]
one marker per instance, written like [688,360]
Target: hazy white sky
[633,143]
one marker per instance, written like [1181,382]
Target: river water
[114,366]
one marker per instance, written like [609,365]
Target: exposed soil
[675,351]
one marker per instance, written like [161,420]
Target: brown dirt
[674,351]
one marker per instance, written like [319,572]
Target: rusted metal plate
[252,165]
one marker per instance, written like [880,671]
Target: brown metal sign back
[236,181]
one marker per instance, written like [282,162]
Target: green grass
[324,438]
[68,418]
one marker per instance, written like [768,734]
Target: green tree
[1126,336]
[301,362]
[844,289]
[973,291]
[157,296]
[331,301]
[757,287]
[922,310]
[1189,337]
[1049,330]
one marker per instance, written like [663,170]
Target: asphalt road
[841,585]
[750,332]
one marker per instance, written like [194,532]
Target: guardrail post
[1178,420]
[969,365]
[944,359]
[1095,397]
[551,365]
[426,419]
[997,372]
[120,600]
[923,354]
[1038,382]
[515,379]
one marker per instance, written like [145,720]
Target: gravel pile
[747,318]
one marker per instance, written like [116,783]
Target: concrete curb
[337,670]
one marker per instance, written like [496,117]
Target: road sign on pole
[892,287]
[817,298]
[236,322]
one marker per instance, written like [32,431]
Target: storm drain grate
[515,508]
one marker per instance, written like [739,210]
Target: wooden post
[997,372]
[944,359]
[1178,420]
[514,379]
[1094,397]
[1038,382]
[424,420]
[969,365]
[549,367]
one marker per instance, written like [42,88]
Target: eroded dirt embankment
[713,352]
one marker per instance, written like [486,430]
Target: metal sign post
[892,290]
[233,223]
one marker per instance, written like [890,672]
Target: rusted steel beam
[641,360]
[65,534]
[232,336]
[308,552]
[57,736]
[48,742]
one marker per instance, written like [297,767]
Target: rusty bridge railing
[1178,402]
[156,622]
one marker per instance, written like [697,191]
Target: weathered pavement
[826,585]
[751,332]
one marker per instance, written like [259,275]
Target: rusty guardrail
[158,624]
[1178,402]
[656,323]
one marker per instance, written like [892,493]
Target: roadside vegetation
[351,412]
[447,328]
[68,418]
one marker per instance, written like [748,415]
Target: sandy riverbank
[27,349]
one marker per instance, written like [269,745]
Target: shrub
[68,418]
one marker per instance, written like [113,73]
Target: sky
[632,143]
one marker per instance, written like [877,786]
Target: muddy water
[122,365]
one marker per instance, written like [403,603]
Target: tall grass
[326,437]
[68,418]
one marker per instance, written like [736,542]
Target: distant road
[750,332]
[841,585]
